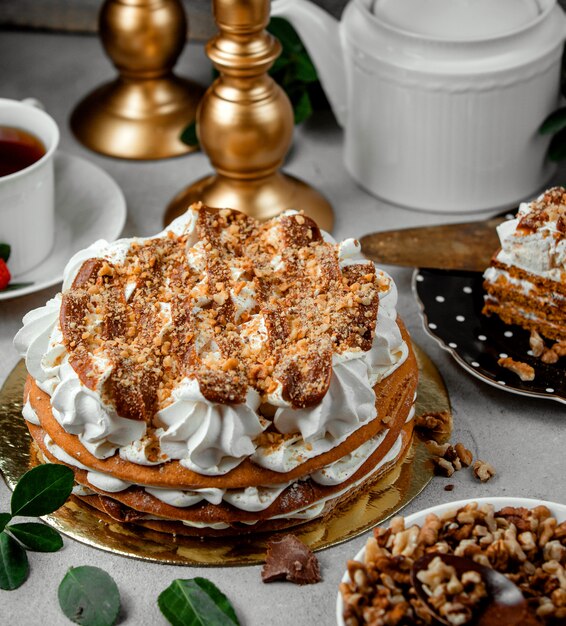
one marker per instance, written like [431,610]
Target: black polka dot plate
[451,304]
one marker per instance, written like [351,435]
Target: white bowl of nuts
[522,536]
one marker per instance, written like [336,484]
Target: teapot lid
[458,20]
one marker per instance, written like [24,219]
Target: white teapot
[441,100]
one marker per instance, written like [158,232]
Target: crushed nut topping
[550,208]
[182,317]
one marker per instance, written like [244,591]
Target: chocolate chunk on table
[290,559]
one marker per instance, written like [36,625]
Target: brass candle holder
[245,124]
[140,114]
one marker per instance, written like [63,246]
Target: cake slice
[526,280]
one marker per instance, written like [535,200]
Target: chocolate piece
[289,559]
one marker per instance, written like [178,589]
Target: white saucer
[89,205]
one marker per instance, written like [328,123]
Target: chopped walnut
[555,352]
[464,454]
[540,350]
[536,342]
[527,545]
[482,470]
[449,459]
[436,426]
[444,467]
[523,370]
[455,598]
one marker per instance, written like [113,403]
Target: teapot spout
[320,33]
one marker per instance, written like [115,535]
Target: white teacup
[27,196]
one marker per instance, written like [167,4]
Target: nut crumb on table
[482,470]
[449,459]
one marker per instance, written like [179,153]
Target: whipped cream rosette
[223,376]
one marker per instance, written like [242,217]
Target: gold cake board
[79,521]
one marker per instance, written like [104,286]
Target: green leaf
[281,62]
[557,148]
[304,69]
[89,596]
[5,251]
[554,122]
[196,602]
[302,107]
[4,519]
[14,286]
[295,72]
[189,135]
[14,566]
[42,490]
[36,536]
[282,29]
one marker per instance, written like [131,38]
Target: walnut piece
[527,545]
[552,354]
[546,355]
[549,356]
[482,470]
[464,454]
[436,426]
[523,370]
[454,597]
[536,343]
[448,459]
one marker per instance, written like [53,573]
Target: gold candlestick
[245,124]
[140,114]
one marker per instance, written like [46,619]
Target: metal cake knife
[464,246]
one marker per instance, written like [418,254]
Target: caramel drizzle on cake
[167,312]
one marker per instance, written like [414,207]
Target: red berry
[5,276]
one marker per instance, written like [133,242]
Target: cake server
[465,246]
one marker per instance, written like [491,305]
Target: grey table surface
[524,438]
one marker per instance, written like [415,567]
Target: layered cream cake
[225,376]
[526,280]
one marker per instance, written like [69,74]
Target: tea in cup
[28,140]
